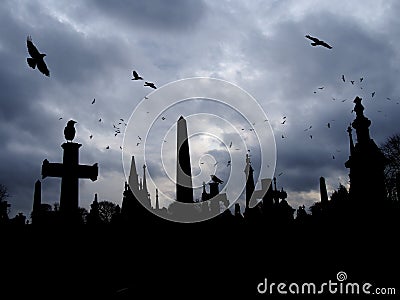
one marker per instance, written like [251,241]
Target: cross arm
[91,172]
[51,169]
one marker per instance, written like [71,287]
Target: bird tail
[31,62]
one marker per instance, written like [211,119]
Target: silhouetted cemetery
[124,249]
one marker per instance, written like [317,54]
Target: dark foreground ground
[206,260]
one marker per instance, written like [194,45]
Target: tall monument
[184,190]
[366,162]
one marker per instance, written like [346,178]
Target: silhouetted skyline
[278,67]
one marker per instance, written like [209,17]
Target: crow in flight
[69,130]
[36,58]
[136,76]
[150,84]
[344,79]
[317,42]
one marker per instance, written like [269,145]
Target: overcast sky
[93,46]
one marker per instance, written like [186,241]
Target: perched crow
[136,76]
[317,42]
[150,84]
[36,58]
[69,130]
[216,179]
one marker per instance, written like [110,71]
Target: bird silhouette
[136,76]
[230,145]
[150,84]
[361,79]
[344,79]
[36,58]
[216,179]
[372,94]
[99,120]
[69,130]
[321,88]
[329,125]
[283,122]
[94,100]
[318,42]
[60,118]
[352,81]
[91,136]
[108,147]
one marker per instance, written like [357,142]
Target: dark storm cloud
[156,14]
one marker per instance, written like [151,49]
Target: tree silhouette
[83,215]
[3,192]
[340,195]
[391,150]
[107,211]
[4,205]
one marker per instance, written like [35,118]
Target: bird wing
[313,38]
[325,45]
[41,65]
[135,74]
[33,51]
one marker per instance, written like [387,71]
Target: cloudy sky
[93,46]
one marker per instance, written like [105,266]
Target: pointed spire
[157,202]
[249,181]
[133,177]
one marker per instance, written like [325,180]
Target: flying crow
[136,76]
[317,42]
[36,58]
[150,84]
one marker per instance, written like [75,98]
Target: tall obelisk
[184,190]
